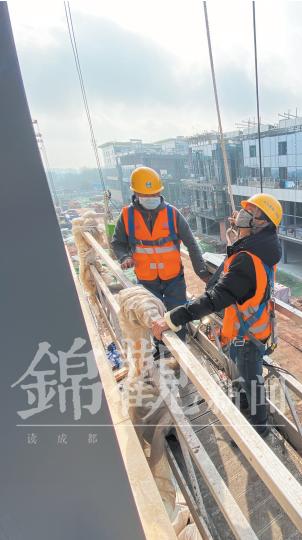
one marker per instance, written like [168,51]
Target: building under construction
[281,149]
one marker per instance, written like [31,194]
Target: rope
[82,85]
[88,222]
[257,94]
[225,159]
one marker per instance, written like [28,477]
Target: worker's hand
[158,327]
[127,263]
[231,236]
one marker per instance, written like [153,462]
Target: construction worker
[244,291]
[147,237]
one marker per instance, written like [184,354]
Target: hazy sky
[146,68]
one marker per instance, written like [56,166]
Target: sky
[146,68]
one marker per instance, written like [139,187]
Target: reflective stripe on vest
[149,250]
[254,313]
[157,253]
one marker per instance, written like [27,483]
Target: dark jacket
[239,283]
[120,242]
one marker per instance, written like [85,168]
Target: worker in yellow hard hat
[147,237]
[243,290]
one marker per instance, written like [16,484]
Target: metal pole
[225,159]
[257,95]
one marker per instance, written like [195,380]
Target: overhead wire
[42,148]
[257,94]
[74,46]
[222,142]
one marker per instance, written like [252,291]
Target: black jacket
[239,284]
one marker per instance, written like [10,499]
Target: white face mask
[150,203]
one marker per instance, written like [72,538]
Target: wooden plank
[292,383]
[99,281]
[226,502]
[198,519]
[286,426]
[116,269]
[289,311]
[120,374]
[151,510]
[274,474]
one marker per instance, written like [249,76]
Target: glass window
[253,150]
[267,172]
[283,173]
[282,148]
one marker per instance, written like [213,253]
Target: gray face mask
[244,220]
[150,203]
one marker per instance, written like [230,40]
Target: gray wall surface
[56,482]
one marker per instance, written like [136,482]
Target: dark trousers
[171,292]
[250,382]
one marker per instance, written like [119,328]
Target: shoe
[243,402]
[263,431]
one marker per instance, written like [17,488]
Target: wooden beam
[116,269]
[199,521]
[289,311]
[280,482]
[222,495]
[285,426]
[99,281]
[150,507]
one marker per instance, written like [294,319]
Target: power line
[224,155]
[257,94]
[82,85]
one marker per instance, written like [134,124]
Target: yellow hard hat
[146,180]
[269,205]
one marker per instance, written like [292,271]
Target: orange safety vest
[157,253]
[255,307]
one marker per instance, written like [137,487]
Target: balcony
[203,185]
[291,232]
[269,182]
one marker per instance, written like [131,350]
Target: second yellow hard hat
[269,205]
[146,181]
